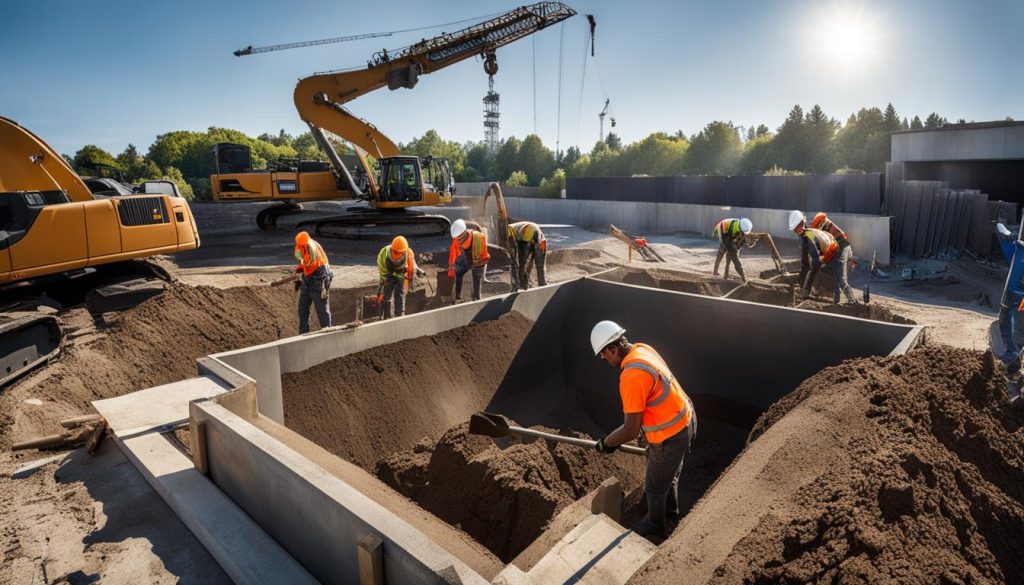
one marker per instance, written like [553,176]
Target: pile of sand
[503,496]
[923,483]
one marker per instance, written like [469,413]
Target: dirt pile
[384,399]
[503,496]
[156,342]
[928,491]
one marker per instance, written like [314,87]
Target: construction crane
[398,182]
[250,50]
[601,116]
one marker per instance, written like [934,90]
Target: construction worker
[652,402]
[473,257]
[819,247]
[730,234]
[1013,294]
[315,284]
[396,265]
[525,240]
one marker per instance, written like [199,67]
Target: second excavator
[377,172]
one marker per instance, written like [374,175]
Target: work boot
[649,530]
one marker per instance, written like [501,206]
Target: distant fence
[834,193]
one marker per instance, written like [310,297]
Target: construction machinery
[56,234]
[376,172]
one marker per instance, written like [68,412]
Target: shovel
[495,425]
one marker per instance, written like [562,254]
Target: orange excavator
[56,235]
[377,172]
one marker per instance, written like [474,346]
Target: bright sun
[844,40]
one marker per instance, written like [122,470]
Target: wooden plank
[371,560]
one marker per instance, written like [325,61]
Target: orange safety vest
[823,242]
[311,257]
[476,243]
[646,385]
[822,222]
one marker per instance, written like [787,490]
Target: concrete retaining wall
[991,141]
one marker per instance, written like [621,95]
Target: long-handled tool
[495,425]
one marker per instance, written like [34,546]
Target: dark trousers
[393,287]
[1007,325]
[461,268]
[520,260]
[314,291]
[732,255]
[840,268]
[664,464]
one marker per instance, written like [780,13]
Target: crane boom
[250,50]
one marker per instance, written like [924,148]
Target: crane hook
[490,63]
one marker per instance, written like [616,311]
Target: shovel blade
[489,425]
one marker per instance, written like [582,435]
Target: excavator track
[27,342]
[372,224]
[266,219]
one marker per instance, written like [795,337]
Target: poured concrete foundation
[734,358]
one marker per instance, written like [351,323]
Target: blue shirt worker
[1013,294]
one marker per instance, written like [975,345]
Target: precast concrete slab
[734,358]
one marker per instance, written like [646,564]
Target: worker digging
[655,403]
[468,253]
[822,243]
[315,283]
[526,244]
[396,266]
[730,234]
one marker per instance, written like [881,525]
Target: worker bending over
[652,402]
[396,265]
[315,284]
[1013,294]
[730,234]
[467,253]
[525,240]
[820,247]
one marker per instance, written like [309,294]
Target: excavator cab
[409,179]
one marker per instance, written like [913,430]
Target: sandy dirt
[221,302]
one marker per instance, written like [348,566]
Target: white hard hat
[603,334]
[458,226]
[746,225]
[796,217]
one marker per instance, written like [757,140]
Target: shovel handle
[521,432]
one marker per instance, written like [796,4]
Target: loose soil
[907,470]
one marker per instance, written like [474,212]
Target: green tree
[935,121]
[580,168]
[819,131]
[613,141]
[757,156]
[535,159]
[603,161]
[481,159]
[431,144]
[552,186]
[506,160]
[90,155]
[306,147]
[517,179]
[569,157]
[656,155]
[137,168]
[184,188]
[715,150]
[863,143]
[791,144]
[916,123]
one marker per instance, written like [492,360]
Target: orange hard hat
[302,238]
[399,245]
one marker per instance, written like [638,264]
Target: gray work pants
[393,287]
[733,255]
[521,252]
[311,293]
[664,464]
[461,268]
[840,266]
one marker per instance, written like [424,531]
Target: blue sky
[110,72]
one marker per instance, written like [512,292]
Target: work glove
[420,272]
[298,284]
[451,273]
[604,449]
[298,270]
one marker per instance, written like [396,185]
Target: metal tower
[491,115]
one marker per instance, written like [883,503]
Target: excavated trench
[399,410]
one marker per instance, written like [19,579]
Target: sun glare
[844,40]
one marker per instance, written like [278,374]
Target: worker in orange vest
[473,257]
[525,240]
[396,266]
[315,284]
[819,246]
[652,402]
[730,234]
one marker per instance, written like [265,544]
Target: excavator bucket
[26,343]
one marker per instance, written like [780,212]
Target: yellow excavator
[396,182]
[55,233]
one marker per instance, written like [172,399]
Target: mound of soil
[384,399]
[503,496]
[156,342]
[925,486]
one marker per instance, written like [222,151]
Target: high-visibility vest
[311,257]
[525,231]
[823,242]
[667,409]
[728,228]
[822,222]
[476,243]
[388,267]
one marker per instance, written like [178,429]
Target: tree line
[806,142]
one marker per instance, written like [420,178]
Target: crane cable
[561,53]
[534,38]
[588,40]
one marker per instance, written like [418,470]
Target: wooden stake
[371,560]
